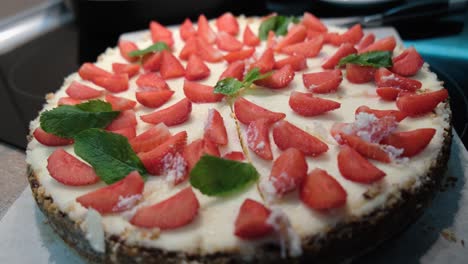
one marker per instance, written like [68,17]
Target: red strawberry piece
[297,62]
[120,103]
[154,99]
[366,41]
[204,30]
[115,83]
[51,140]
[398,115]
[321,191]
[388,93]
[356,168]
[313,23]
[322,82]
[353,35]
[306,104]
[266,62]
[67,169]
[211,148]
[68,101]
[239,55]
[227,42]
[123,68]
[150,139]
[89,72]
[419,104]
[343,51]
[193,152]
[337,129]
[258,139]
[288,171]
[287,135]
[186,30]
[81,91]
[295,35]
[271,40]
[128,132]
[251,222]
[278,79]
[311,34]
[201,93]
[152,61]
[234,155]
[227,23]
[161,34]
[412,142]
[385,78]
[250,39]
[126,47]
[359,74]
[366,149]
[207,52]
[385,44]
[153,160]
[309,48]
[151,81]
[247,112]
[173,115]
[196,69]
[215,131]
[170,66]
[125,119]
[407,63]
[189,48]
[234,70]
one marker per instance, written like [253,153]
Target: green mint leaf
[158,46]
[228,86]
[215,176]
[266,26]
[69,120]
[374,59]
[278,24]
[254,75]
[110,154]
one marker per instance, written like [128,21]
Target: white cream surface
[213,229]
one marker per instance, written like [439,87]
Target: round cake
[241,139]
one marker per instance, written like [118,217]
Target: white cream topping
[95,231]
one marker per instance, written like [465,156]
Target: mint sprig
[215,176]
[110,154]
[68,120]
[158,46]
[278,24]
[374,59]
[230,86]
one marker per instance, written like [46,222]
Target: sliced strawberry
[271,40]
[227,42]
[407,63]
[309,48]
[313,23]
[306,104]
[215,131]
[247,112]
[266,62]
[234,70]
[250,39]
[205,31]
[161,34]
[343,51]
[200,93]
[187,30]
[251,222]
[321,191]
[295,35]
[67,169]
[170,66]
[288,171]
[196,69]
[359,74]
[154,99]
[177,211]
[115,83]
[297,62]
[366,41]
[287,135]
[120,103]
[150,139]
[68,101]
[332,38]
[239,55]
[258,139]
[278,79]
[385,44]
[356,168]
[398,115]
[123,68]
[151,81]
[234,155]
[89,72]
[81,91]
[322,82]
[366,149]
[311,34]
[385,78]
[419,104]
[126,47]
[173,115]
[125,119]
[193,152]
[51,140]
[128,132]
[412,142]
[388,93]
[228,23]
[207,52]
[152,61]
[189,48]
[153,160]
[211,148]
[353,35]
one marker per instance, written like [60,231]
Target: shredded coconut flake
[290,242]
[260,145]
[174,167]
[372,129]
[126,203]
[268,190]
[389,77]
[209,120]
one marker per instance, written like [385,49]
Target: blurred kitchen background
[42,41]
